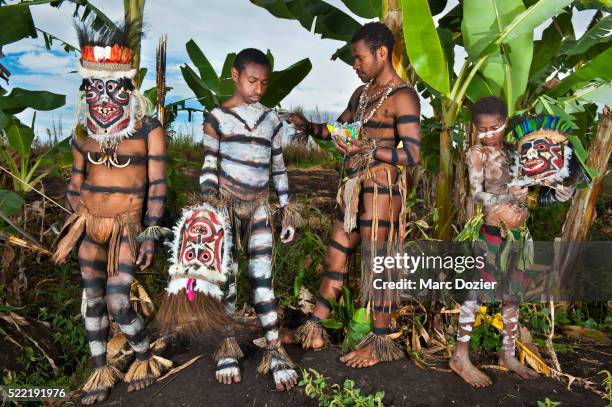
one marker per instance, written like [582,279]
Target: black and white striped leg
[147,367]
[227,355]
[92,262]
[260,273]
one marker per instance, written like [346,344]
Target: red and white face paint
[108,107]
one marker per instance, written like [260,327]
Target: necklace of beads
[364,99]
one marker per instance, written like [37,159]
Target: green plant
[16,143]
[547,403]
[346,395]
[211,89]
[355,323]
[607,385]
[487,338]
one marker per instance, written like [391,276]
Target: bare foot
[360,358]
[95,396]
[284,379]
[512,363]
[317,341]
[228,371]
[462,365]
[141,384]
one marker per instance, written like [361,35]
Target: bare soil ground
[403,382]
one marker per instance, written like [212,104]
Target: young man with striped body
[242,141]
[118,183]
[372,196]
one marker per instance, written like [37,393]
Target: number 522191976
[15,393]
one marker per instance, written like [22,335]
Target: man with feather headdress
[118,183]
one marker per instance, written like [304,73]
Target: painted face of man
[541,157]
[367,64]
[490,128]
[108,105]
[251,82]
[202,242]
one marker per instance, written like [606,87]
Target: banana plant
[16,148]
[212,89]
[497,36]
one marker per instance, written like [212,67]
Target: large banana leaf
[329,21]
[547,48]
[17,20]
[19,136]
[207,72]
[599,33]
[20,99]
[533,17]
[596,68]
[226,87]
[282,82]
[423,45]
[507,68]
[17,23]
[478,88]
[197,85]
[215,89]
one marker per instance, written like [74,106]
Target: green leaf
[270,58]
[60,153]
[207,72]
[548,47]
[533,17]
[331,22]
[10,202]
[204,95]
[336,24]
[331,323]
[17,23]
[344,54]
[19,136]
[281,83]
[596,68]
[20,99]
[359,326]
[423,45]
[599,33]
[142,72]
[478,88]
[3,120]
[364,8]
[226,87]
[508,66]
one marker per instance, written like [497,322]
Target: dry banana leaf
[537,364]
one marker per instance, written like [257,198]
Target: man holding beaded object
[372,196]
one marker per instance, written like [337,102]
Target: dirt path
[403,382]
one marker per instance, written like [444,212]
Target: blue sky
[217,26]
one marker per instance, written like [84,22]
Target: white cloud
[46,62]
[218,27]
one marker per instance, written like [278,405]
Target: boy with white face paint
[242,141]
[504,208]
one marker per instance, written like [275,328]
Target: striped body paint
[242,154]
[111,192]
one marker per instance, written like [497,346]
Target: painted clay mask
[202,243]
[541,157]
[108,105]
